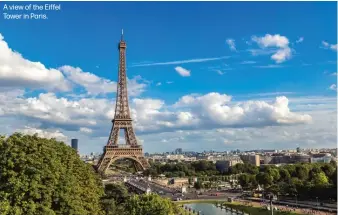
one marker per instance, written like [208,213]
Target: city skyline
[214,78]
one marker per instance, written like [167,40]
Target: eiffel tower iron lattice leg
[122,120]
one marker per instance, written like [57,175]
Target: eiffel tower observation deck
[122,121]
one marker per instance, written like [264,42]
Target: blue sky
[249,51]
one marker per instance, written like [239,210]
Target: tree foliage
[243,168]
[304,180]
[151,204]
[247,181]
[197,168]
[117,201]
[284,175]
[320,179]
[44,176]
[264,179]
[115,191]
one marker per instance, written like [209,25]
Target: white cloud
[333,87]
[266,51]
[268,94]
[85,130]
[300,39]
[44,133]
[136,85]
[214,108]
[151,115]
[159,84]
[183,72]
[283,52]
[95,85]
[231,44]
[270,66]
[271,41]
[198,60]
[334,74]
[18,72]
[195,116]
[248,62]
[169,82]
[327,45]
[281,55]
[220,72]
[52,111]
[321,133]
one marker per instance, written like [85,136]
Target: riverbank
[253,209]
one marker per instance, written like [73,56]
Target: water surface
[208,209]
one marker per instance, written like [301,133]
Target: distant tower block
[75,144]
[122,121]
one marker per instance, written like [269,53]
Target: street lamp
[296,201]
[317,203]
[271,207]
[263,197]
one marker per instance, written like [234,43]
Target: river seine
[207,209]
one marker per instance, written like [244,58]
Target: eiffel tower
[122,120]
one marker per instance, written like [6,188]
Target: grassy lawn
[256,210]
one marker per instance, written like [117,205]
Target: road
[175,194]
[142,184]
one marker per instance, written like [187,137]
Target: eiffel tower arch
[122,121]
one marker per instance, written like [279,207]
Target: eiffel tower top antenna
[122,34]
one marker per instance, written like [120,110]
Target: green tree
[320,179]
[334,177]
[274,173]
[244,180]
[118,192]
[333,163]
[275,189]
[296,182]
[284,175]
[328,169]
[111,207]
[264,179]
[302,172]
[247,181]
[291,169]
[313,171]
[44,176]
[150,204]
